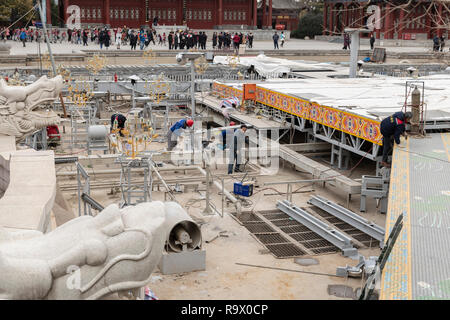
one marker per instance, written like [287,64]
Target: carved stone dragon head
[24,109]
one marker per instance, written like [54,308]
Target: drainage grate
[270,238]
[285,222]
[248,218]
[363,238]
[317,244]
[323,213]
[326,250]
[294,229]
[367,240]
[344,226]
[259,227]
[270,234]
[275,216]
[287,250]
[305,236]
[353,231]
[334,220]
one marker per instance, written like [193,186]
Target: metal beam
[349,217]
[337,238]
[309,147]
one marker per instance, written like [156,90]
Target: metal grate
[305,236]
[248,218]
[323,213]
[280,246]
[287,250]
[274,216]
[334,220]
[259,227]
[294,229]
[317,244]
[270,238]
[285,222]
[362,238]
[325,250]
[344,226]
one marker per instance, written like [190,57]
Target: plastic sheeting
[266,66]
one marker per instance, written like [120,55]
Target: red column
[220,11]
[387,21]
[49,12]
[106,12]
[255,13]
[361,15]
[270,14]
[346,14]
[440,20]
[428,25]
[264,22]
[65,6]
[400,24]
[331,19]
[324,25]
[141,14]
[180,13]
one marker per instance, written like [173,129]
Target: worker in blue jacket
[176,130]
[392,128]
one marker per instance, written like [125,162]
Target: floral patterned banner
[353,124]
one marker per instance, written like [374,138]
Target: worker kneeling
[175,131]
[120,120]
[391,128]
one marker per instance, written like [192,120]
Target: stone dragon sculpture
[87,257]
[22,108]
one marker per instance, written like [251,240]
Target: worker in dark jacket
[176,130]
[121,119]
[391,128]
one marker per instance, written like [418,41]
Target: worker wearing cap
[235,151]
[175,131]
[121,119]
[392,128]
[228,133]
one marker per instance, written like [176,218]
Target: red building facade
[196,14]
[408,20]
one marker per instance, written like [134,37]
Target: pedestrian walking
[346,41]
[275,38]
[372,40]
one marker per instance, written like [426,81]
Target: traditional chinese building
[273,13]
[408,20]
[196,14]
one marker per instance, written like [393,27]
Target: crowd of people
[142,38]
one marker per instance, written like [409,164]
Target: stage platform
[419,265]
[353,106]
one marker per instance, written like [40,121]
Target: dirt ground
[223,279]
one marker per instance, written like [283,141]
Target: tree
[309,25]
[13,10]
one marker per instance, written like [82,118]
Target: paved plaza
[292,44]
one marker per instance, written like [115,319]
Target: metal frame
[37,140]
[133,193]
[83,189]
[349,217]
[79,132]
[334,236]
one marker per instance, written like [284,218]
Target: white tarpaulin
[267,66]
